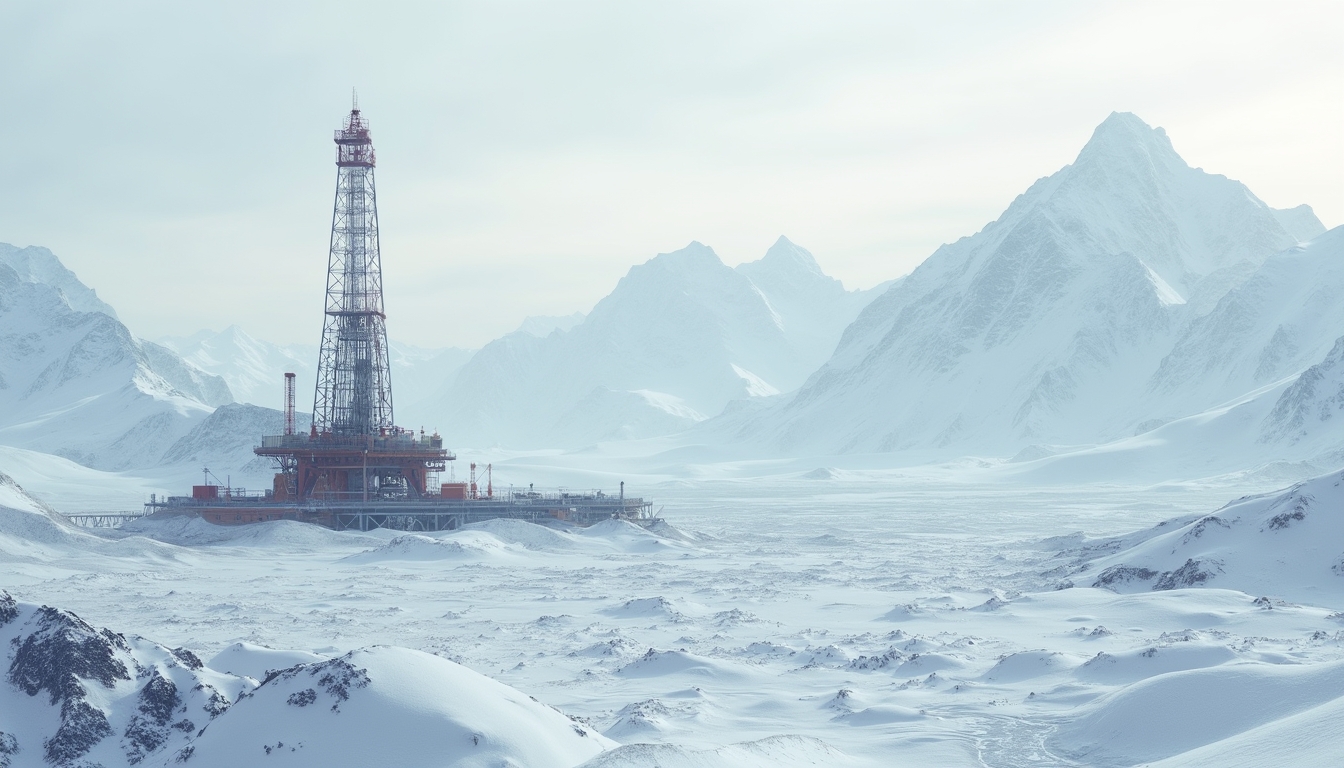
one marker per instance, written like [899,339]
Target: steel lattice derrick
[353,394]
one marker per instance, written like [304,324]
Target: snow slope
[36,264]
[1283,318]
[679,337]
[385,705]
[75,695]
[1285,545]
[224,441]
[254,369]
[79,385]
[1305,415]
[1288,429]
[1048,324]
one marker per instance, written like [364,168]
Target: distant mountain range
[1127,308]
[1126,290]
[680,337]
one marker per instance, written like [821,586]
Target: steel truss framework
[353,395]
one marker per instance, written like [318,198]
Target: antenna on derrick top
[354,100]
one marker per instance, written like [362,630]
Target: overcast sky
[178,156]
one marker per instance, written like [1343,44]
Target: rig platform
[233,506]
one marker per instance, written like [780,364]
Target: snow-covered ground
[830,617]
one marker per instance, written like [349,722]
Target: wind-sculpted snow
[1185,710]
[772,752]
[507,540]
[861,620]
[257,662]
[463,546]
[381,705]
[281,535]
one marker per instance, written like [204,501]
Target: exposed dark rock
[60,654]
[1197,530]
[302,698]
[158,699]
[189,660]
[82,727]
[888,659]
[336,677]
[9,608]
[1297,513]
[61,651]
[1187,575]
[148,730]
[215,702]
[9,747]
[1123,574]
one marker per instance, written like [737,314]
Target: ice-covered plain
[839,617]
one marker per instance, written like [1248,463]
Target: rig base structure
[232,506]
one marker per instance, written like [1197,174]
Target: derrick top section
[354,145]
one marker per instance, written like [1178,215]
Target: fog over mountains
[1125,295]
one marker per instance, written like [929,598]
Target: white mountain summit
[679,337]
[1049,324]
[76,383]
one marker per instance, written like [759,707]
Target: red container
[453,490]
[205,491]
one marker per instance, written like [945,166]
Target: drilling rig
[355,468]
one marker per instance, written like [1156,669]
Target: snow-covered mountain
[77,695]
[36,264]
[1060,322]
[223,441]
[542,325]
[1310,412]
[680,336]
[77,383]
[1284,317]
[255,370]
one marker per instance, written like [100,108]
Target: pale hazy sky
[178,156]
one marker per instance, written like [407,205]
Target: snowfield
[863,618]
